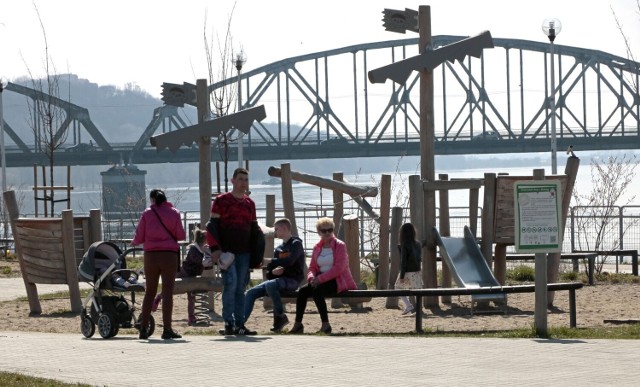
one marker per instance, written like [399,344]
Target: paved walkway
[289,360]
[12,288]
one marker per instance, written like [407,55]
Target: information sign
[537,216]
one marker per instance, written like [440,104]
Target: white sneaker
[408,311]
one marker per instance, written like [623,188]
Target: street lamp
[551,28]
[3,84]
[239,62]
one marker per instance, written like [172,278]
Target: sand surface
[594,305]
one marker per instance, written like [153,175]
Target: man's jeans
[272,289]
[235,280]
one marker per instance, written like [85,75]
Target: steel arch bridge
[322,105]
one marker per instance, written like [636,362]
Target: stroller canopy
[98,258]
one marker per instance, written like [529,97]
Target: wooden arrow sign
[241,120]
[428,60]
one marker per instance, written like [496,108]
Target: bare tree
[45,114]
[596,219]
[628,43]
[221,61]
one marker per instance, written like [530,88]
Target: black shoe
[243,331]
[326,329]
[144,334]
[279,322]
[297,329]
[170,334]
[227,331]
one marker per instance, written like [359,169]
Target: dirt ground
[605,301]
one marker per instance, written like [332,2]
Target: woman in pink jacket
[159,230]
[328,275]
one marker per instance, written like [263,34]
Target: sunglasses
[326,230]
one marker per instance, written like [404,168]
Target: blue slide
[468,266]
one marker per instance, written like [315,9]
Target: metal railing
[587,228]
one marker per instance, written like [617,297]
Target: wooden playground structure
[50,249]
[496,220]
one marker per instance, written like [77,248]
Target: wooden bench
[620,253]
[435,292]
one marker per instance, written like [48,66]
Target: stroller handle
[131,250]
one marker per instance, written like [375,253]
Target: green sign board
[538,227]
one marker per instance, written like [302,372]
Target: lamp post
[3,84]
[239,62]
[551,28]
[5,231]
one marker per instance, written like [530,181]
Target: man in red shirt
[229,231]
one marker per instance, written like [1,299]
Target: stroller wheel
[107,326]
[87,327]
[151,326]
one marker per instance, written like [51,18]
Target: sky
[148,42]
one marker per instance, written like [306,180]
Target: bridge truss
[322,105]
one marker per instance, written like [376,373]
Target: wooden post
[44,193]
[95,225]
[427,157]
[416,198]
[500,263]
[540,281]
[396,222]
[487,220]
[383,253]
[416,214]
[352,238]
[270,219]
[474,195]
[68,187]
[338,206]
[204,153]
[35,191]
[71,267]
[445,231]
[287,197]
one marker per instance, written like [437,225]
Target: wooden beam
[322,182]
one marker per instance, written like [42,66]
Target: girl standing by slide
[410,276]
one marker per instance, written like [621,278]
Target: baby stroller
[104,266]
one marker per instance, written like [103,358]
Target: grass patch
[627,332]
[572,276]
[15,379]
[368,278]
[617,278]
[521,273]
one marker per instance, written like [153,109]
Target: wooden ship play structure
[471,260]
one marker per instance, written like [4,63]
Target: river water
[186,197]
